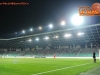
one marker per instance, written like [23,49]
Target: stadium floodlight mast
[40,28]
[46,37]
[63,23]
[77,20]
[37,39]
[67,35]
[80,33]
[56,37]
[31,29]
[23,31]
[50,25]
[30,40]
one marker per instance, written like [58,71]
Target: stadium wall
[53,57]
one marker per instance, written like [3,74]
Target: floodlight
[51,26]
[67,35]
[23,31]
[77,20]
[40,28]
[37,39]
[63,23]
[56,37]
[46,38]
[80,33]
[31,29]
[30,40]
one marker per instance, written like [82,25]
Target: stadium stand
[81,43]
[86,52]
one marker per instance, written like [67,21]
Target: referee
[94,57]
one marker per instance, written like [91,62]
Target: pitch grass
[29,66]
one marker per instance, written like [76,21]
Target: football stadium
[52,49]
[34,54]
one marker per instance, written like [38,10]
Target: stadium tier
[73,42]
[86,52]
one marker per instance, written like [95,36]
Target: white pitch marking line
[60,69]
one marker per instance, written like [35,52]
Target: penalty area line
[60,69]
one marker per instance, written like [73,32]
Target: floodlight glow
[80,33]
[63,23]
[30,40]
[31,29]
[23,31]
[37,39]
[67,35]
[77,20]
[56,37]
[40,28]
[51,26]
[46,38]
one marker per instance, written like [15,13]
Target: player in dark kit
[94,57]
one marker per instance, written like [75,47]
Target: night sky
[15,18]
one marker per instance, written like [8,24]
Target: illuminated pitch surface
[44,66]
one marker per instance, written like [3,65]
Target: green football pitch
[45,66]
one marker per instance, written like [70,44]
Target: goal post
[99,54]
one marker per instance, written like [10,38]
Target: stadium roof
[90,34]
